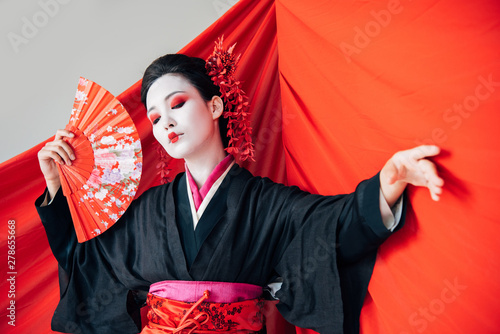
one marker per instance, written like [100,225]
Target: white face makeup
[183,122]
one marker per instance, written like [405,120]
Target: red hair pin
[221,65]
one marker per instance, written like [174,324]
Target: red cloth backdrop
[336,88]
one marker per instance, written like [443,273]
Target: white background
[110,42]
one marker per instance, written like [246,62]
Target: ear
[216,106]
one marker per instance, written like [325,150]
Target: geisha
[201,249]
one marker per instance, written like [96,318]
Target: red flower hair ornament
[221,65]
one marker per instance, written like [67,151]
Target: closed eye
[154,117]
[178,105]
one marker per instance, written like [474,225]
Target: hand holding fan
[102,181]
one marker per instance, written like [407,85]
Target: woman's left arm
[410,167]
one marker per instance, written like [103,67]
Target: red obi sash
[186,317]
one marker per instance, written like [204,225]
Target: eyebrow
[167,97]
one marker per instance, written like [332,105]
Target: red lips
[173,137]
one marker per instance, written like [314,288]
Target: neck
[203,164]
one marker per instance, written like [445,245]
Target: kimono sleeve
[326,253]
[92,299]
[56,219]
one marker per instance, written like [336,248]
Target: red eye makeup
[177,101]
[154,117]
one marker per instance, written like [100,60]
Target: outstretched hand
[411,167]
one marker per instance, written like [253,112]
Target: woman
[218,223]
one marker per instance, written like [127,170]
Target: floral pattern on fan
[114,166]
[104,178]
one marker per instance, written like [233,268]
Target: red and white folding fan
[103,179]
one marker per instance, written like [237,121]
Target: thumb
[423,151]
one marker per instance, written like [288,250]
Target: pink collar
[199,194]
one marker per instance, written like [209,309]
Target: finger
[423,151]
[62,149]
[435,179]
[432,181]
[429,170]
[434,196]
[48,154]
[68,149]
[61,133]
[434,188]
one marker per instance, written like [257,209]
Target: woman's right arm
[56,218]
[93,299]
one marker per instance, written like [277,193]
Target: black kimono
[253,230]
